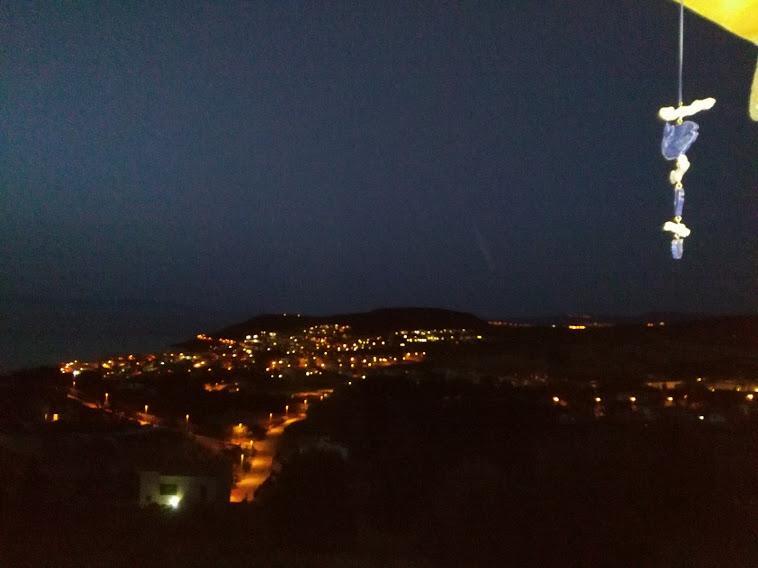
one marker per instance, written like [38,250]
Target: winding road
[262,462]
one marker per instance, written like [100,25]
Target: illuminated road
[262,462]
[142,418]
[266,449]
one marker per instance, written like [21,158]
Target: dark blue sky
[497,157]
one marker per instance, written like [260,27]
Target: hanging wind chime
[678,136]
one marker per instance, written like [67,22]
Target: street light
[146,408]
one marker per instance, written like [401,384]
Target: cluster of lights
[434,335]
[221,387]
[557,400]
[312,350]
[501,323]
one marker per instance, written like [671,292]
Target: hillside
[376,321]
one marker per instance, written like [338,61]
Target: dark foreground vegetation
[397,472]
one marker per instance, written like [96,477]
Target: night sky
[495,157]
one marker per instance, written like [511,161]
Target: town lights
[632,399]
[598,399]
[556,399]
[174,501]
[749,396]
[146,408]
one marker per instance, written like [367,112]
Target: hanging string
[678,136]
[681,48]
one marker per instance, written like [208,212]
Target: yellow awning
[739,17]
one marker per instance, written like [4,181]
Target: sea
[40,332]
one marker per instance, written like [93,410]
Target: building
[173,489]
[665,385]
[174,471]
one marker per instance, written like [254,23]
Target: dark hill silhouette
[376,321]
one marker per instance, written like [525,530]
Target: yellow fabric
[738,16]
[754,95]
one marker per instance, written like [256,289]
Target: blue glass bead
[678,202]
[677,138]
[677,248]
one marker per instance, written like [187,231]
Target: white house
[177,490]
